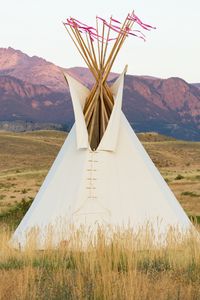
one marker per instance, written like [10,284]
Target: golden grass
[115,270]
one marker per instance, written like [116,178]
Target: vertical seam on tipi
[91,176]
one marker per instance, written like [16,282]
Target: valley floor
[116,271]
[27,157]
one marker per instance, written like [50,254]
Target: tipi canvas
[117,184]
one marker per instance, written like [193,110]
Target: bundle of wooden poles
[99,49]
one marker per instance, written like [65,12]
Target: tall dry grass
[115,270]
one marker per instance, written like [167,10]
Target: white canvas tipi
[102,174]
[117,184]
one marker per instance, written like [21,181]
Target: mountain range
[33,90]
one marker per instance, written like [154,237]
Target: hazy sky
[35,27]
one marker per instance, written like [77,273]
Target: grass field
[27,157]
[114,271]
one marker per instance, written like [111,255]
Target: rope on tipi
[99,47]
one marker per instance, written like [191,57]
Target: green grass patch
[191,194]
[12,263]
[195,219]
[152,265]
[13,215]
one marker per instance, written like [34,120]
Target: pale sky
[173,49]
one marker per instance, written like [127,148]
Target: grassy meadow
[114,271]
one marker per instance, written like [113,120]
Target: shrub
[179,177]
[24,191]
[14,214]
[192,194]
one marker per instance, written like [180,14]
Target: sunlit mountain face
[34,90]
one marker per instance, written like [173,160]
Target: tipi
[102,174]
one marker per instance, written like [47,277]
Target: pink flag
[103,20]
[139,22]
[114,20]
[92,32]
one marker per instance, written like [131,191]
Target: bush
[14,214]
[179,177]
[192,194]
[24,191]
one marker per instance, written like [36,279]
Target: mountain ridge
[32,89]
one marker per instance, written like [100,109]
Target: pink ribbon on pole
[139,22]
[92,32]
[103,20]
[114,20]
[84,25]
[83,28]
[127,31]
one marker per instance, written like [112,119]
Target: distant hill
[197,85]
[34,70]
[34,90]
[154,137]
[21,100]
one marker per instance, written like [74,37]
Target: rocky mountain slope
[197,85]
[34,90]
